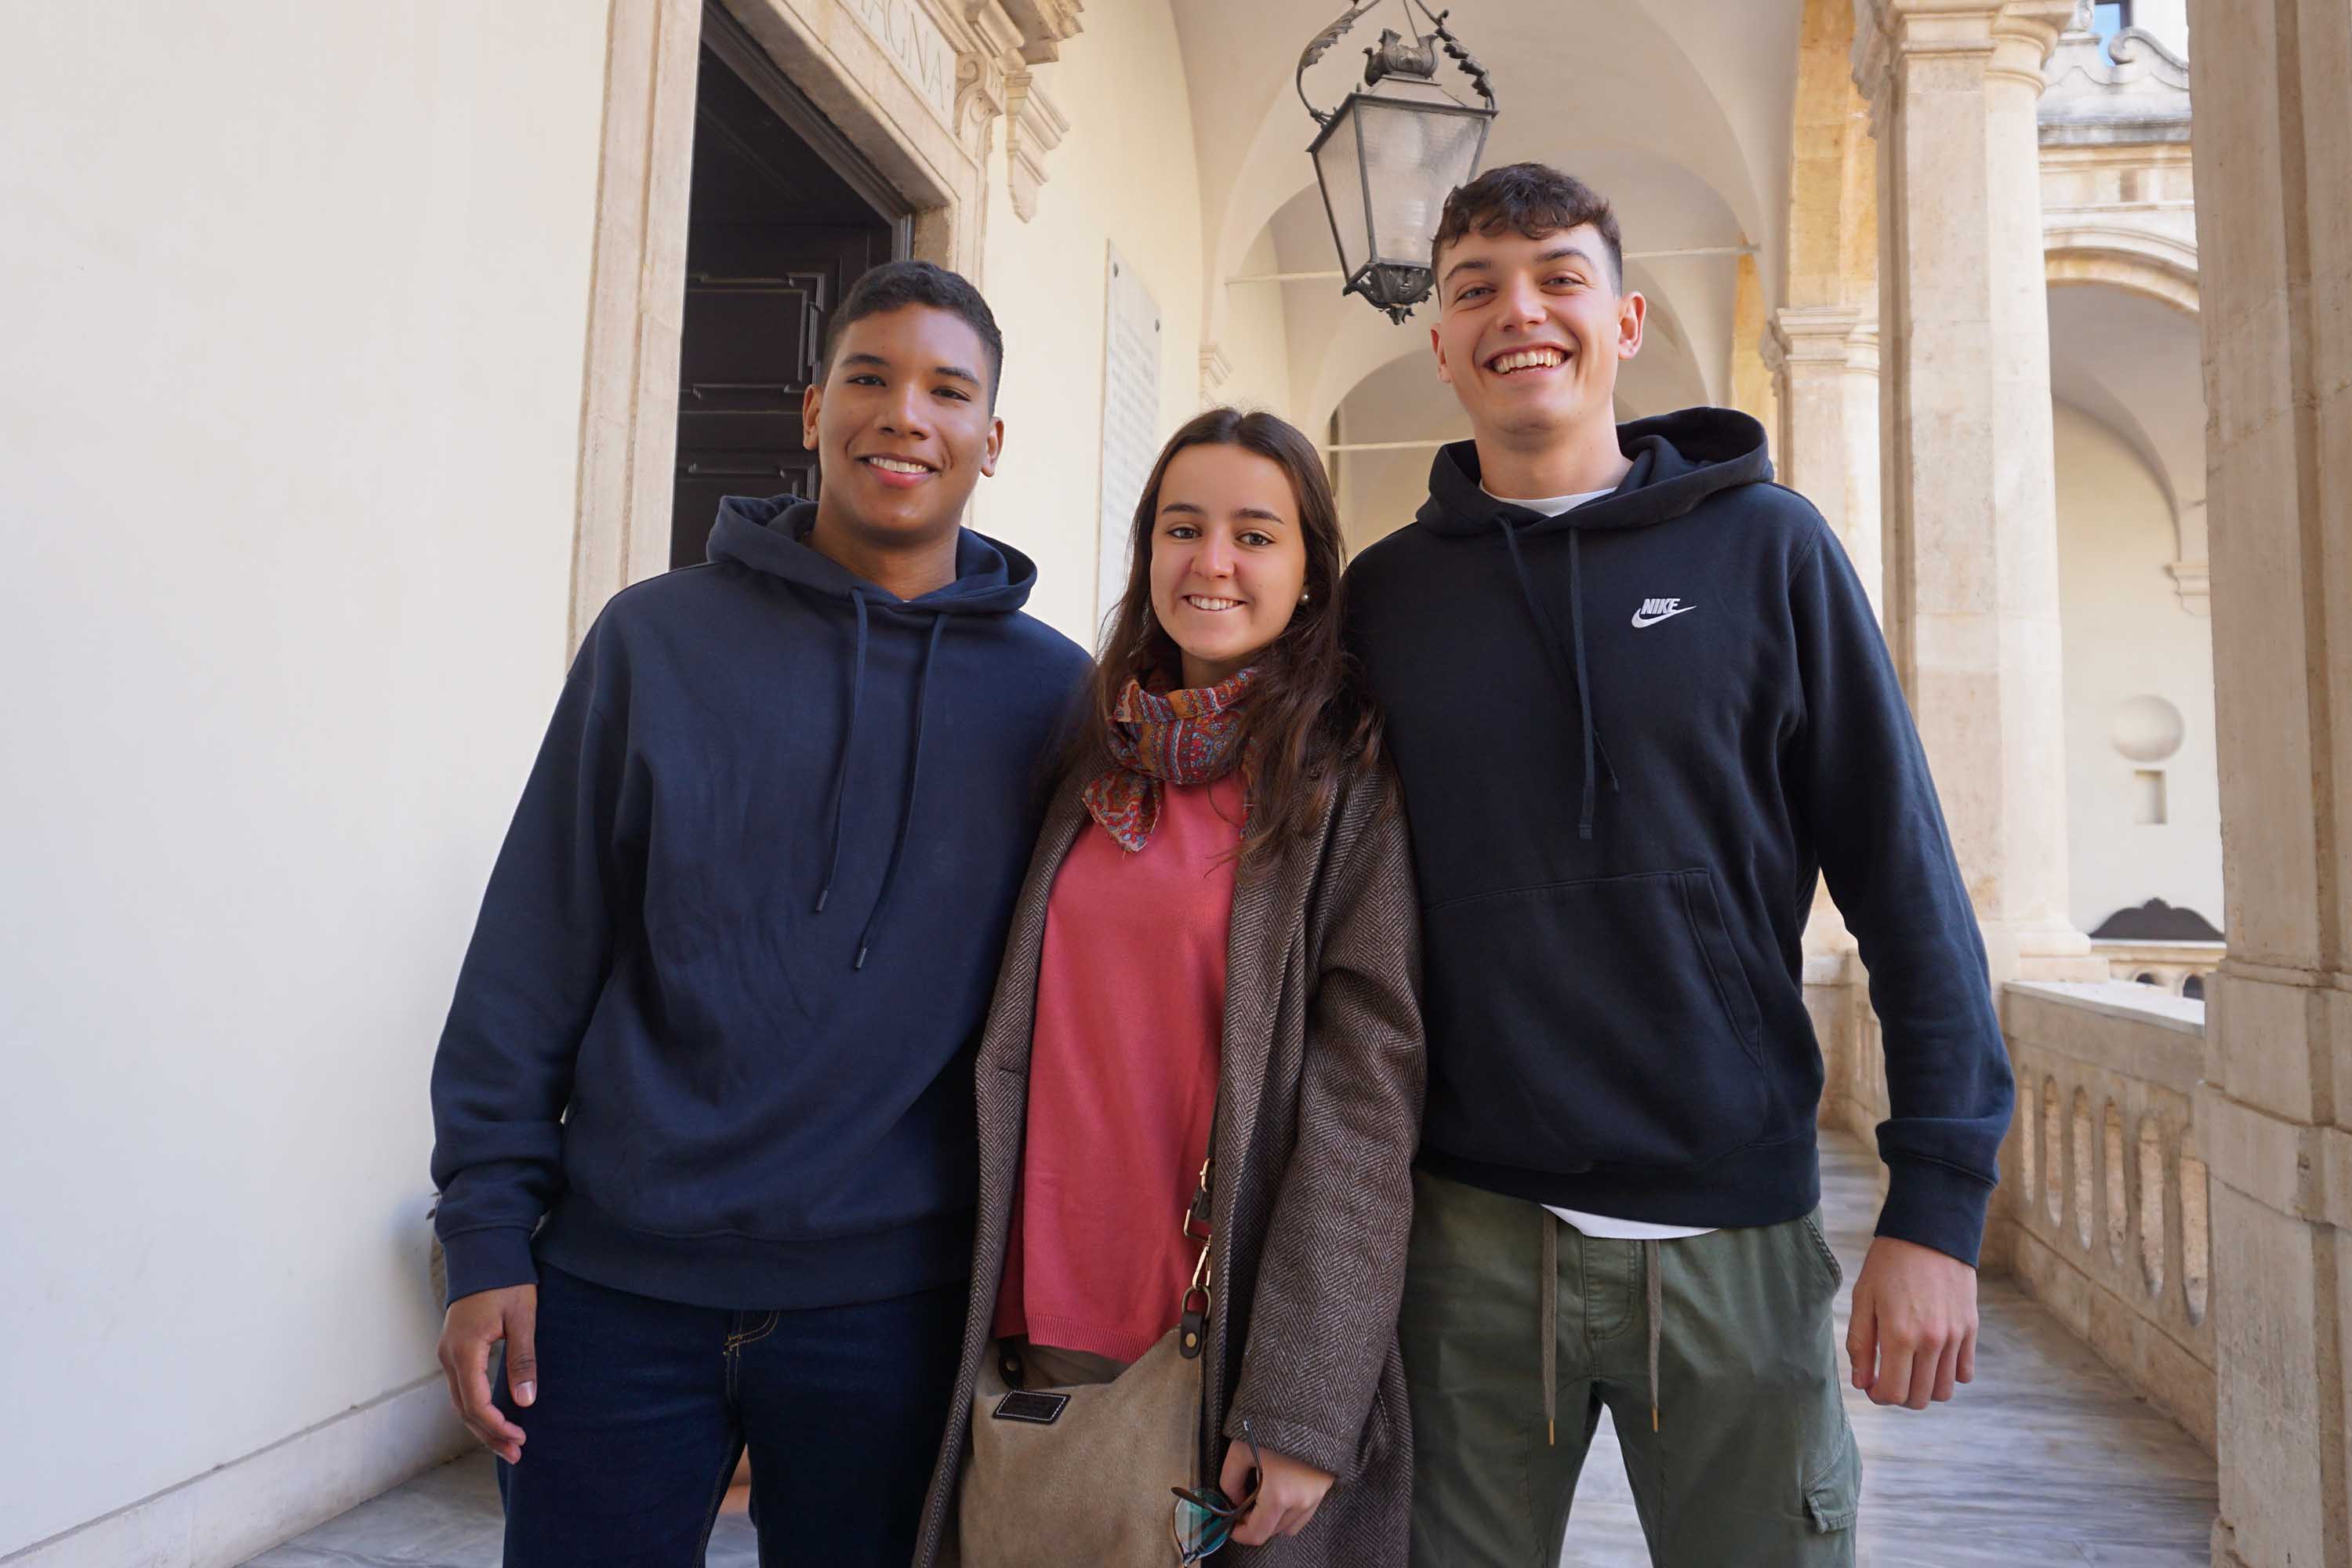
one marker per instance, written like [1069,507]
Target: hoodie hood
[770,535]
[1679,460]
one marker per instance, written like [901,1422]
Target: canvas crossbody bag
[1081,1474]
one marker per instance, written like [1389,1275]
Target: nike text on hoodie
[715,1024]
[1631,738]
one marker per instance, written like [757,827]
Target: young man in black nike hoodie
[704,1104]
[1638,701]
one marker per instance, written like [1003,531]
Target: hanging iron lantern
[1387,157]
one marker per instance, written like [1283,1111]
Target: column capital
[1841,335]
[2014,38]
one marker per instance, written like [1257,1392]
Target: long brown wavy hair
[1307,725]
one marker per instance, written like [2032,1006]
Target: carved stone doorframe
[913,86]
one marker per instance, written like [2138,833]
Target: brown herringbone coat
[1320,1094]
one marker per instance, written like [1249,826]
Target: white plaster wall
[1402,400]
[2125,633]
[2167,19]
[1257,343]
[1380,492]
[1124,175]
[292,298]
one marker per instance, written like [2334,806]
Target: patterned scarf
[1185,737]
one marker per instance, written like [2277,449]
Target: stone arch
[2155,265]
[2113,274]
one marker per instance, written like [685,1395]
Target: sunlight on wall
[291,510]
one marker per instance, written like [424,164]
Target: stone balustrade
[2104,1197]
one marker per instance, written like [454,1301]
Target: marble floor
[2047,1458]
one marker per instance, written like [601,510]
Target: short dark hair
[1536,200]
[895,285]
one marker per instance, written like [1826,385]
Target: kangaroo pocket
[1601,1022]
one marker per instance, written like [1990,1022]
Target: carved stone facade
[915,86]
[1032,127]
[2129,88]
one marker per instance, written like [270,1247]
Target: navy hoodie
[1630,737]
[715,1024]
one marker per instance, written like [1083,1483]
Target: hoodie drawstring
[1572,672]
[848,741]
[841,773]
[907,803]
[1547,1315]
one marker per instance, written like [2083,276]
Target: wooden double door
[783,217]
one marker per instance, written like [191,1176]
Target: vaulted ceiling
[1679,111]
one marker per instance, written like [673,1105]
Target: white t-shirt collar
[1551,506]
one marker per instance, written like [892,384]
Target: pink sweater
[1122,1079]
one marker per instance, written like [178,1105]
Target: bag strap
[1192,1320]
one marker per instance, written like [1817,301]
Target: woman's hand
[1287,1494]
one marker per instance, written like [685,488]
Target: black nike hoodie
[1631,738]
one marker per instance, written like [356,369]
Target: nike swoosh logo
[1641,620]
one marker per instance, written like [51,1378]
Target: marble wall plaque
[1131,417]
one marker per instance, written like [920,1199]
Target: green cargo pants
[1750,1463]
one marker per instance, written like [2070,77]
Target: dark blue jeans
[645,1406]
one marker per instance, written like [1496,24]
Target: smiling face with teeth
[1228,558]
[903,431]
[1530,334]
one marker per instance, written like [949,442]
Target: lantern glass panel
[1338,162]
[1413,156]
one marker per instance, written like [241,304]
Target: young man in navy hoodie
[1639,703]
[703,1106]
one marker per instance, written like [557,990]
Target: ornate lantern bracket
[1392,56]
[1387,156]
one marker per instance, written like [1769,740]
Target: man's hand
[1914,1332]
[1288,1494]
[473,1324]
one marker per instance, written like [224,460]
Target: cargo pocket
[1599,1021]
[1833,1496]
[1820,1249]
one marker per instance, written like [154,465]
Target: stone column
[1827,360]
[1821,347]
[1969,490]
[1824,359]
[2273,164]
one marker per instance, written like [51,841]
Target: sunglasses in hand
[1205,1519]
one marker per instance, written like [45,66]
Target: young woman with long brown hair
[1200,1087]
